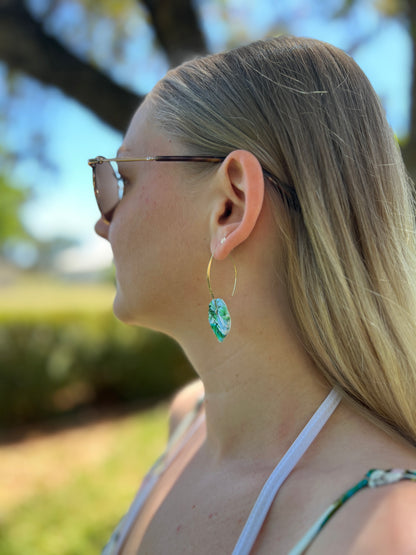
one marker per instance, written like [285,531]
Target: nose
[101,228]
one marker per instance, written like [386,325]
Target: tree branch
[177,29]
[26,47]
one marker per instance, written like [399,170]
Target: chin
[122,310]
[124,313]
[133,315]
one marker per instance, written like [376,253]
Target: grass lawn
[64,492]
[36,296]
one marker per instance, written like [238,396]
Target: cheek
[157,238]
[133,219]
[149,237]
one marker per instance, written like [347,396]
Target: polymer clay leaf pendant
[219,319]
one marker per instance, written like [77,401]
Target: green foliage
[388,8]
[71,360]
[391,8]
[12,198]
[109,8]
[62,349]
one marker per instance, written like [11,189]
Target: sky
[63,202]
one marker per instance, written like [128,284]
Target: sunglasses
[109,185]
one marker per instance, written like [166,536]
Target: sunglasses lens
[106,189]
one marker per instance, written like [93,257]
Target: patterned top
[373,478]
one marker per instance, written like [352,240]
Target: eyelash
[124,182]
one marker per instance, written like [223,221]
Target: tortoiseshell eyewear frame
[107,186]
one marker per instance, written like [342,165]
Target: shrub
[59,362]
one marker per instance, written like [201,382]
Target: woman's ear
[240,184]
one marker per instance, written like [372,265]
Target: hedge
[64,361]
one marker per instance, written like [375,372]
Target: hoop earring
[218,314]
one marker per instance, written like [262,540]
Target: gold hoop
[209,277]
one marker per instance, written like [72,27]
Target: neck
[259,391]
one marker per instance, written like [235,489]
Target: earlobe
[242,192]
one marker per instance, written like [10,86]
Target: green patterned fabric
[374,478]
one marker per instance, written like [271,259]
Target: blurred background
[83,397]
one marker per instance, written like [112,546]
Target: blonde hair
[309,114]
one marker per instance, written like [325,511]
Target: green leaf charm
[219,319]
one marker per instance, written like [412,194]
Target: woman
[288,179]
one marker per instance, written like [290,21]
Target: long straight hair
[308,113]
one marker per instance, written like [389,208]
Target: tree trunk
[177,29]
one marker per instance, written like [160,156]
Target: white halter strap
[281,472]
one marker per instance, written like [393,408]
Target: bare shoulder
[380,520]
[377,519]
[183,402]
[389,522]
